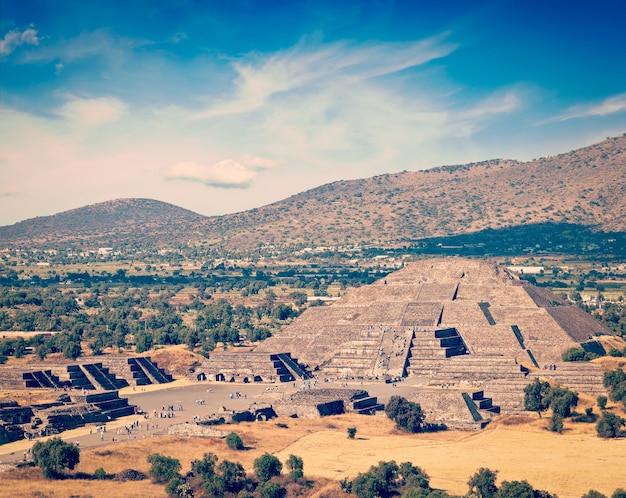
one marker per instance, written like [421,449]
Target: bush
[610,425]
[234,442]
[483,483]
[163,469]
[54,456]
[556,423]
[578,354]
[601,400]
[99,474]
[271,489]
[516,489]
[406,414]
[351,432]
[592,493]
[562,400]
[295,465]
[266,467]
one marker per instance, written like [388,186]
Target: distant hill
[585,187]
[111,223]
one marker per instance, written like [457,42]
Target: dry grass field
[519,448]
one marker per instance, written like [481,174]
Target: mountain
[585,187]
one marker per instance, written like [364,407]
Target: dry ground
[519,448]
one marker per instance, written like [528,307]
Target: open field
[519,448]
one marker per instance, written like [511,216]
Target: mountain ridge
[586,186]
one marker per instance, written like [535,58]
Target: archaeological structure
[468,335]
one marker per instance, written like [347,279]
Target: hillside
[585,187]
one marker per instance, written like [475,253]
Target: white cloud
[92,112]
[611,105]
[228,173]
[58,69]
[16,38]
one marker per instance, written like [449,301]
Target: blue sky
[223,106]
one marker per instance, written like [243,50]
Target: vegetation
[390,479]
[234,441]
[537,396]
[163,469]
[609,426]
[266,467]
[615,382]
[296,467]
[406,414]
[54,456]
[351,432]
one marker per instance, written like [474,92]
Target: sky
[223,106]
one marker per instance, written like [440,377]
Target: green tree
[619,493]
[516,489]
[234,442]
[483,483]
[351,432]
[411,476]
[267,466]
[54,456]
[296,467]
[272,489]
[592,493]
[537,396]
[556,423]
[72,350]
[406,414]
[232,475]
[602,400]
[205,468]
[163,468]
[609,426]
[562,400]
[368,485]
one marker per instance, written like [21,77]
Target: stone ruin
[68,412]
[109,373]
[467,334]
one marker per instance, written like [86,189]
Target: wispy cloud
[611,105]
[15,38]
[99,42]
[228,173]
[311,66]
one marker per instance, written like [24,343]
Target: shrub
[562,400]
[516,489]
[271,489]
[266,467]
[54,456]
[601,400]
[295,465]
[537,396]
[99,473]
[163,469]
[483,483]
[234,442]
[406,414]
[592,493]
[609,425]
[556,423]
[577,354]
[351,432]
